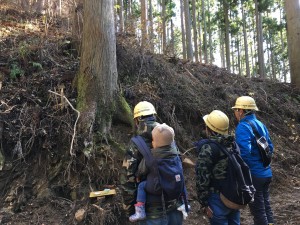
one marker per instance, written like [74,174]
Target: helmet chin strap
[242,113]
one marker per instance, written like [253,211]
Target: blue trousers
[261,207]
[141,193]
[222,215]
[171,218]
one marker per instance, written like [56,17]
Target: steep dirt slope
[40,183]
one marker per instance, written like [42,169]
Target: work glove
[184,212]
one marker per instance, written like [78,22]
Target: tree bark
[182,30]
[227,45]
[204,32]
[121,18]
[293,27]
[200,36]
[260,48]
[188,30]
[151,32]
[144,24]
[195,31]
[163,27]
[245,42]
[97,78]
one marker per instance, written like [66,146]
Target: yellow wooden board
[102,193]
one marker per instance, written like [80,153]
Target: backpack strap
[265,153]
[257,135]
[143,148]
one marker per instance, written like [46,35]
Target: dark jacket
[211,166]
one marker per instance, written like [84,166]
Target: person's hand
[209,213]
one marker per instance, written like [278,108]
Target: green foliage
[15,71]
[136,9]
[117,6]
[264,5]
[170,6]
[37,65]
[23,50]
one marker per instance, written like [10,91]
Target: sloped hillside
[42,184]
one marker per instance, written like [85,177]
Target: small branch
[188,150]
[98,207]
[6,105]
[74,129]
[191,75]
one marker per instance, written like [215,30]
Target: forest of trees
[246,37]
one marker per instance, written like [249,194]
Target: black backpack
[237,187]
[165,175]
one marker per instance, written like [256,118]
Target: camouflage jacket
[211,167]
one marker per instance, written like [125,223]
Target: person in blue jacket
[244,111]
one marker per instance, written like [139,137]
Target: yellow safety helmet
[245,102]
[143,108]
[217,121]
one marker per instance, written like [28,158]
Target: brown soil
[41,183]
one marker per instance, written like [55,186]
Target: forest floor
[40,183]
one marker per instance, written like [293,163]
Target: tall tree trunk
[195,30]
[204,32]
[200,37]
[210,39]
[182,30]
[252,48]
[283,71]
[293,27]
[121,18]
[172,39]
[232,56]
[97,78]
[188,30]
[144,23]
[222,48]
[238,54]
[227,44]
[128,17]
[273,65]
[151,33]
[260,48]
[163,19]
[245,42]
